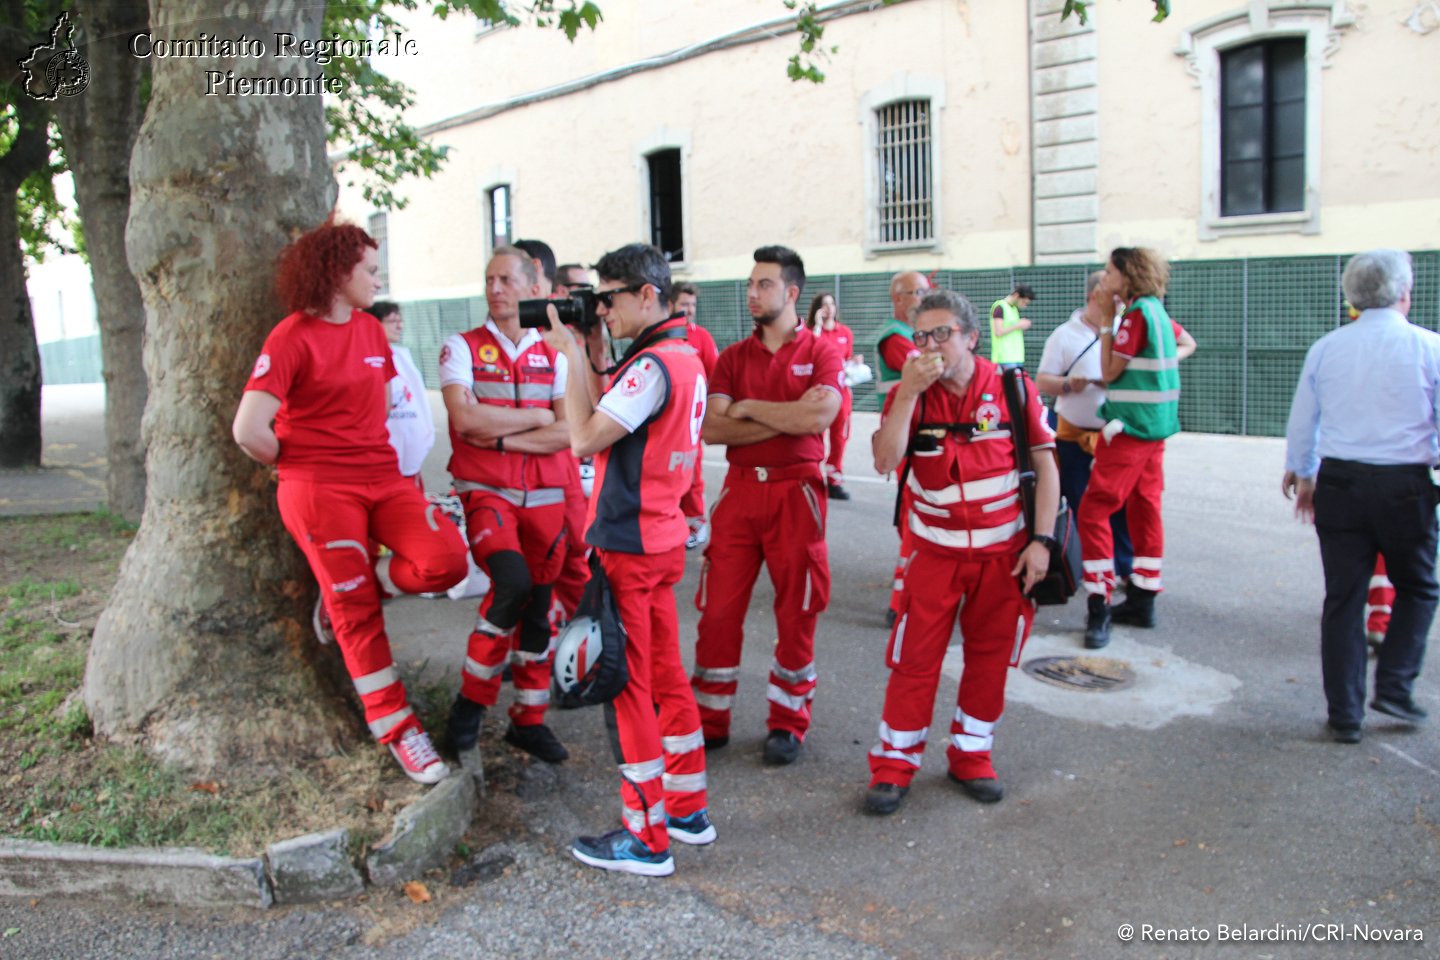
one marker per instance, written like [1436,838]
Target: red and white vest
[964,495]
[640,479]
[526,382]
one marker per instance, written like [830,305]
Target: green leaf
[10,932]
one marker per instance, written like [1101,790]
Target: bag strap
[1013,381]
[1079,355]
[905,473]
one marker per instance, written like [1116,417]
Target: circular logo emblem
[489,354]
[68,73]
[262,366]
[987,416]
[1122,335]
[633,382]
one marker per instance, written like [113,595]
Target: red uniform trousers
[692,504]
[575,571]
[995,620]
[1131,473]
[839,435]
[1379,600]
[332,523]
[520,637]
[663,750]
[779,522]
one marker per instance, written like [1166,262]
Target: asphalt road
[1203,799]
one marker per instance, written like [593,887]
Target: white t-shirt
[1062,347]
[412,425]
[638,394]
[457,365]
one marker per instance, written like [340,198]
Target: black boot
[1138,610]
[462,730]
[1097,624]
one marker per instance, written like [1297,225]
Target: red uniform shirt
[1130,334]
[332,381]
[964,495]
[895,350]
[843,339]
[704,345]
[748,371]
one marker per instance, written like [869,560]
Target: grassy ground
[58,783]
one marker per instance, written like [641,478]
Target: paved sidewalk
[1207,794]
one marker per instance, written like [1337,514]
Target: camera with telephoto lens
[576,310]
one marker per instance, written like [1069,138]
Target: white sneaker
[324,632]
[417,757]
[699,533]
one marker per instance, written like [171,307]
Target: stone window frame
[1319,23]
[496,177]
[902,86]
[666,138]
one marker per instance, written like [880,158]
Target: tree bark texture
[205,652]
[98,129]
[19,353]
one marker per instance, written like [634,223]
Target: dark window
[666,229]
[500,219]
[379,232]
[1262,134]
[906,211]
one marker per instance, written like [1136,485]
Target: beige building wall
[1378,137]
[767,160]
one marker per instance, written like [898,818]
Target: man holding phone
[973,558]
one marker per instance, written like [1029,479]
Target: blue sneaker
[621,850]
[695,829]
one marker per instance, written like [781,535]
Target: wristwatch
[1050,542]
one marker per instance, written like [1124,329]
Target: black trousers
[1362,510]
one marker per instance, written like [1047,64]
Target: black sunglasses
[606,298]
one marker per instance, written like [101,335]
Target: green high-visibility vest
[889,376]
[1011,347]
[1146,397]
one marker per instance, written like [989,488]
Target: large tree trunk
[99,129]
[205,652]
[19,353]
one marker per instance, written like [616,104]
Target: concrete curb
[305,869]
[425,833]
[161,875]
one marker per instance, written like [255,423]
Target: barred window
[500,216]
[905,191]
[666,223]
[1262,138]
[379,232]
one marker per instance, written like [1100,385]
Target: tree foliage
[1081,10]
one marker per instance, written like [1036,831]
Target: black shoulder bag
[1064,576]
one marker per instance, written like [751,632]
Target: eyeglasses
[606,298]
[918,292]
[939,335]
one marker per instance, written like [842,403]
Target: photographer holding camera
[645,435]
[503,386]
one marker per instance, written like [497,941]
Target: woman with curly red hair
[316,407]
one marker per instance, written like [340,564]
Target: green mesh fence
[71,361]
[1253,321]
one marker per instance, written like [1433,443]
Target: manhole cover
[1081,673]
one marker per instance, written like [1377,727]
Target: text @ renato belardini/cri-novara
[1272,933]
